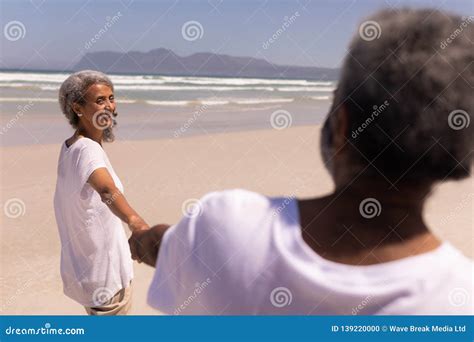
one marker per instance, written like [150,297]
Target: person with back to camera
[365,248]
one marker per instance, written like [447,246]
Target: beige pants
[119,304]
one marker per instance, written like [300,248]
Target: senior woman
[96,265]
[390,136]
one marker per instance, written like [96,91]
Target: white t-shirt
[243,253]
[95,257]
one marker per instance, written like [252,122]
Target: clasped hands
[145,243]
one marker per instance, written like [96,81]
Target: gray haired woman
[96,265]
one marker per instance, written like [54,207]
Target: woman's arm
[102,182]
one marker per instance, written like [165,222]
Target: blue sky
[55,32]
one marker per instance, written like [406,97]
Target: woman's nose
[109,106]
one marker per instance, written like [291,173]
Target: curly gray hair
[413,75]
[73,91]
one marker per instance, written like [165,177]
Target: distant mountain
[165,62]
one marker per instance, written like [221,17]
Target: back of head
[406,86]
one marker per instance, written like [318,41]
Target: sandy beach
[159,175]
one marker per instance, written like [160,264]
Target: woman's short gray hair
[402,86]
[74,89]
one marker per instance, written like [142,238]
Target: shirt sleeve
[178,268]
[199,261]
[90,158]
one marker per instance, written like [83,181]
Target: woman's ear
[77,109]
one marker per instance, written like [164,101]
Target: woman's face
[99,107]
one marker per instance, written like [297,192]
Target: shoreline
[43,123]
[118,139]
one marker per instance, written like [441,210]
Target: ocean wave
[33,77]
[19,85]
[241,81]
[258,101]
[183,87]
[137,80]
[220,88]
[145,88]
[27,99]
[320,97]
[307,89]
[214,102]
[168,103]
[177,103]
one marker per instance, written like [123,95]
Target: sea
[29,110]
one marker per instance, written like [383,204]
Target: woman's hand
[145,243]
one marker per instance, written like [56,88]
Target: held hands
[145,243]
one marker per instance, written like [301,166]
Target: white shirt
[243,253]
[95,256]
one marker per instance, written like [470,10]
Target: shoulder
[242,206]
[229,214]
[233,207]
[457,282]
[461,268]
[86,143]
[86,148]
[232,201]
[226,219]
[232,219]
[81,159]
[82,143]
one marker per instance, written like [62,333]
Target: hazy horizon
[60,70]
